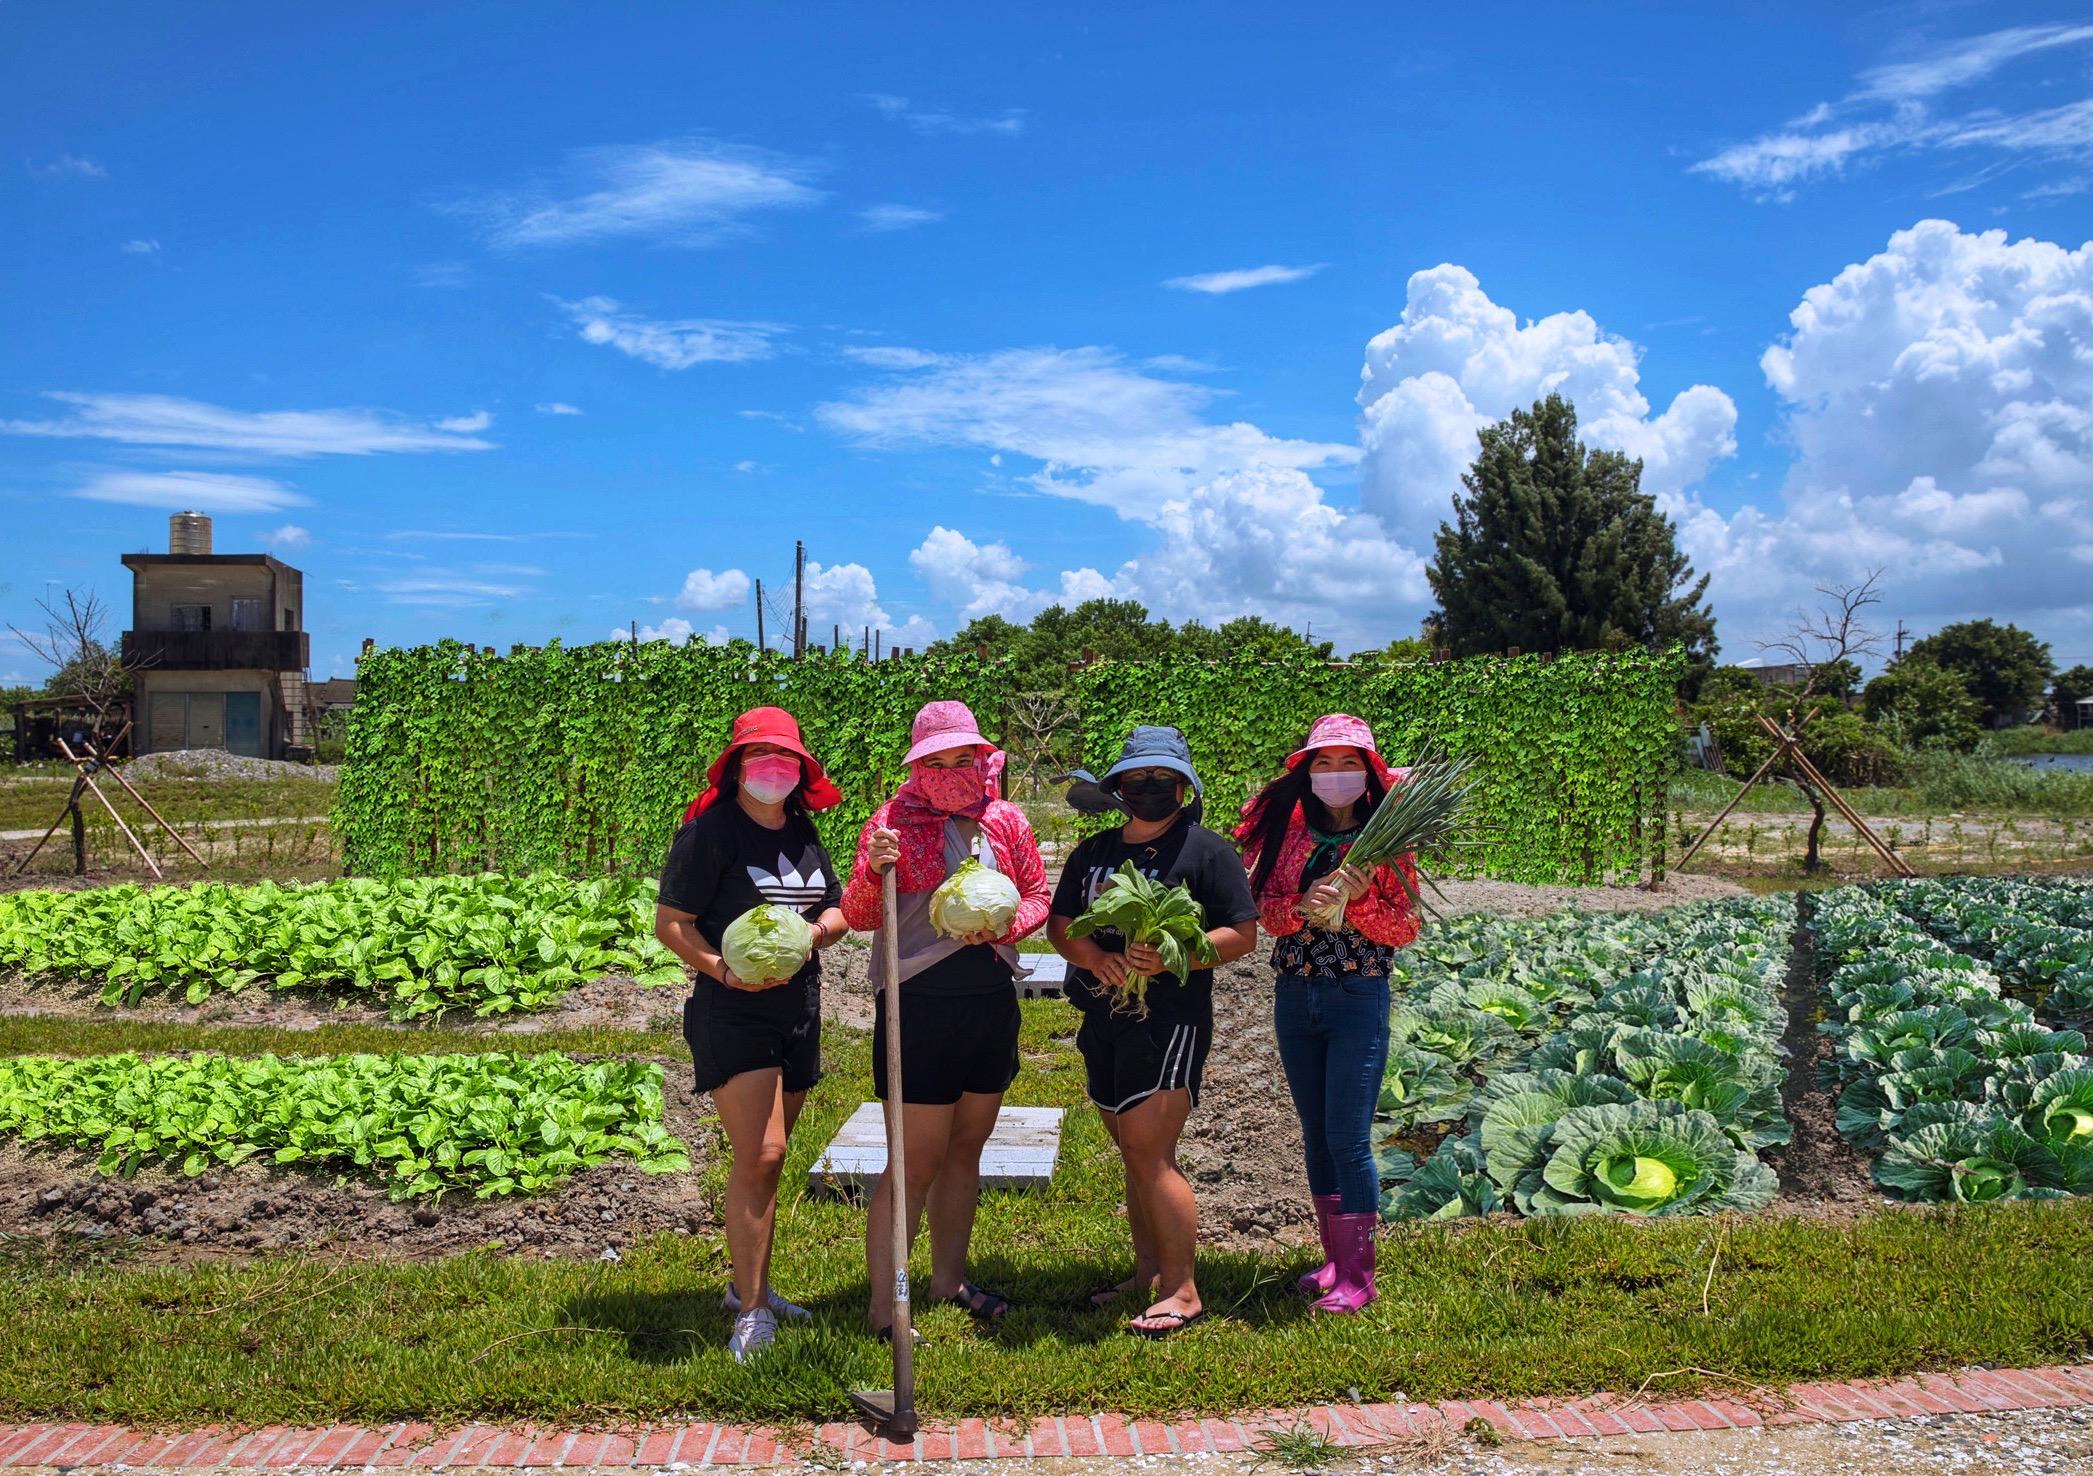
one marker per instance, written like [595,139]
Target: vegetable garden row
[1575,1064]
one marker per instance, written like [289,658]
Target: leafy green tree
[2071,684]
[2007,668]
[1555,547]
[1925,705]
[1248,635]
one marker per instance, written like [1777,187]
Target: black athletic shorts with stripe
[1128,1059]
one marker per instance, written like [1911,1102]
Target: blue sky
[514,321]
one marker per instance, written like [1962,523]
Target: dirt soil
[1242,1149]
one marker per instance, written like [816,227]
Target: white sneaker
[753,1332]
[791,1312]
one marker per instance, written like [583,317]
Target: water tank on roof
[189,533]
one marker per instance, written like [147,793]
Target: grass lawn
[1506,1309]
[26,804]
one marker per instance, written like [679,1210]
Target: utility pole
[875,643]
[866,649]
[836,642]
[635,634]
[799,599]
[759,617]
[1901,633]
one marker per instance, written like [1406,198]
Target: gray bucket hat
[1147,747]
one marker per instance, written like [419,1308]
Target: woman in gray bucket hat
[1143,1066]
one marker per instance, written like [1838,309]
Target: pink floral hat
[1342,730]
[943,725]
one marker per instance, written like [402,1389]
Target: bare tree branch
[85,668]
[1834,634]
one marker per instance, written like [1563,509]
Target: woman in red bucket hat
[745,841]
[1330,1001]
[957,996]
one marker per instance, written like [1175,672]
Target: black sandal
[980,1303]
[886,1335]
[1181,1321]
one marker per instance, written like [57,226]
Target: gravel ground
[216,763]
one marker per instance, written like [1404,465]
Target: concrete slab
[1021,1152]
[1049,971]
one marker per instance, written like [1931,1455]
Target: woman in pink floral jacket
[957,996]
[1330,1003]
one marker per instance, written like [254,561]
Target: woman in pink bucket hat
[957,996]
[1330,1001]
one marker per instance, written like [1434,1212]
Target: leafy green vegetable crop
[491,944]
[1626,1064]
[493,1124]
[1146,911]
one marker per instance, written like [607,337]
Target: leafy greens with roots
[1167,919]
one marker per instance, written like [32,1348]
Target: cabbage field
[1590,1063]
[489,944]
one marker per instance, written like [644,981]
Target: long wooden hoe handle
[904,1421]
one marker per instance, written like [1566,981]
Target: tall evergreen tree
[1555,547]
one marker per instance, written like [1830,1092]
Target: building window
[191,617]
[290,618]
[249,615]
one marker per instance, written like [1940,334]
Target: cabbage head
[1421,1086]
[1971,1161]
[1447,1186]
[973,899]
[1645,1158]
[2062,1110]
[767,944]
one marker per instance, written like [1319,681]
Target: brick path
[473,1447]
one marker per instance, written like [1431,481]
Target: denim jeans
[1333,1041]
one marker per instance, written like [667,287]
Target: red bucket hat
[1342,730]
[769,725]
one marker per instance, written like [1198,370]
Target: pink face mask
[950,790]
[771,778]
[1339,787]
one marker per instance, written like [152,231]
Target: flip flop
[980,1303]
[886,1335]
[1180,1321]
[1106,1295]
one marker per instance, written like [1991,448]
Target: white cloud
[942,121]
[556,407]
[141,248]
[688,192]
[785,422]
[164,420]
[674,630]
[1940,402]
[676,343]
[705,590]
[443,590]
[69,166]
[290,536]
[1891,109]
[1101,431]
[1216,283]
[466,425]
[987,578]
[745,466]
[846,595]
[1457,362]
[181,491]
[897,217]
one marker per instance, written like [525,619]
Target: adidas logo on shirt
[787,887]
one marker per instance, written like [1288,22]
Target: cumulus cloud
[164,420]
[673,343]
[675,630]
[289,537]
[1940,401]
[684,192]
[1100,430]
[847,595]
[988,579]
[1217,283]
[69,166]
[180,491]
[466,425]
[1457,361]
[705,590]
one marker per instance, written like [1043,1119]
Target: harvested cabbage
[767,944]
[973,899]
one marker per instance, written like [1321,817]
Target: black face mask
[1149,799]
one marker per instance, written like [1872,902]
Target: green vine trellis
[581,759]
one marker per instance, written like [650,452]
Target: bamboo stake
[70,800]
[1811,772]
[1735,800]
[118,775]
[96,790]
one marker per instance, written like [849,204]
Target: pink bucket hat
[1342,730]
[943,725]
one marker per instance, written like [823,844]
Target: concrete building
[216,647]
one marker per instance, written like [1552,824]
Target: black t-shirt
[1187,855]
[723,863]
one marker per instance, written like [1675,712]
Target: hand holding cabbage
[974,904]
[766,945]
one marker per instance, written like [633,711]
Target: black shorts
[951,1045]
[731,1031]
[1128,1059]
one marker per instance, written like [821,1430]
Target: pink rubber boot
[1316,1283]
[1352,1241]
